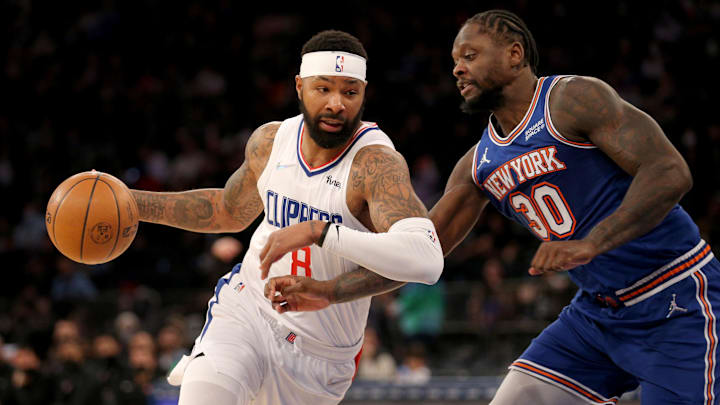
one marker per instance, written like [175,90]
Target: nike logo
[282,166]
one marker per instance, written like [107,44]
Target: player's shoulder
[580,88]
[259,146]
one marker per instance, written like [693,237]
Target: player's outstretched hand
[561,256]
[286,240]
[297,293]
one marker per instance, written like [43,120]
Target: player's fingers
[270,288]
[266,248]
[537,263]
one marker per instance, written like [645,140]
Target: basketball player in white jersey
[322,167]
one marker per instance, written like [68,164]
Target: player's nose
[459,70]
[335,104]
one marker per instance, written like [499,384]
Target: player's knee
[519,388]
[202,384]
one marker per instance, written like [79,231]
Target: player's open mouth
[330,125]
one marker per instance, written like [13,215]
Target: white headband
[333,63]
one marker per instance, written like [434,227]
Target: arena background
[165,94]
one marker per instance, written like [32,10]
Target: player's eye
[469,56]
[322,89]
[351,92]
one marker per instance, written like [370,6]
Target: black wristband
[321,239]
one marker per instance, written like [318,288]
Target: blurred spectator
[71,285]
[375,363]
[127,324]
[414,369]
[115,381]
[420,310]
[226,249]
[29,385]
[170,347]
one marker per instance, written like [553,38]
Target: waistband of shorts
[308,345]
[675,271]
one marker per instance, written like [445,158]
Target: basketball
[92,217]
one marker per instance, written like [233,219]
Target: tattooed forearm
[382,176]
[361,283]
[195,210]
[645,205]
[151,206]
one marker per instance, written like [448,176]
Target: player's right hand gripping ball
[92,217]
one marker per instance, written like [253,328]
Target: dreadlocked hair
[334,40]
[507,27]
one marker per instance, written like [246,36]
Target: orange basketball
[92,217]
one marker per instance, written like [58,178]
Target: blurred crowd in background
[165,95]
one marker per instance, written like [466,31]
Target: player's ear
[517,55]
[298,85]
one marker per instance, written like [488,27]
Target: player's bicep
[241,199]
[458,210]
[384,178]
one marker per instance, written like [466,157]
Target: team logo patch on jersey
[535,128]
[291,337]
[339,63]
[239,287]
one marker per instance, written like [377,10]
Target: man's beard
[488,100]
[330,140]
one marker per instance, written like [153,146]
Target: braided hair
[507,27]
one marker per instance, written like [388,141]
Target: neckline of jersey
[497,139]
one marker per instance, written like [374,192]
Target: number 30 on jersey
[545,211]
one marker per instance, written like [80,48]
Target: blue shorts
[666,344]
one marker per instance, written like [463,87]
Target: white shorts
[271,362]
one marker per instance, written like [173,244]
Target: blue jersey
[560,189]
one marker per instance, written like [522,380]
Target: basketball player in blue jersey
[598,182]
[324,166]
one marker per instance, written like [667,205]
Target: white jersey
[293,192]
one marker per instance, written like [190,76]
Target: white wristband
[409,251]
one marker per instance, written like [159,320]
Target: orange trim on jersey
[549,125]
[668,274]
[347,146]
[524,122]
[566,383]
[711,337]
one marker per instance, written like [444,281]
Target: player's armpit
[588,107]
[460,207]
[381,175]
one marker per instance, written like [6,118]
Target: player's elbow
[432,268]
[681,178]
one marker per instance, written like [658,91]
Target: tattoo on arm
[151,207]
[382,175]
[361,283]
[637,144]
[195,210]
[241,199]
